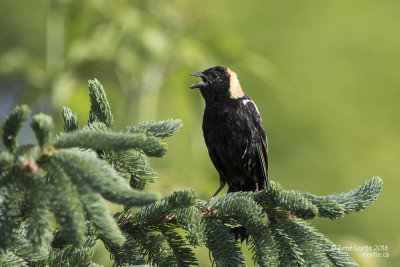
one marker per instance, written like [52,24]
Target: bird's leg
[221,186]
[252,192]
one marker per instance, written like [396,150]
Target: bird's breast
[226,133]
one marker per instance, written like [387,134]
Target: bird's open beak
[201,84]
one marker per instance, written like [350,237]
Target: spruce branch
[65,206]
[159,129]
[38,227]
[6,161]
[8,216]
[95,140]
[191,221]
[42,125]
[276,237]
[9,259]
[305,241]
[152,147]
[85,168]
[100,110]
[358,199]
[26,151]
[154,132]
[327,206]
[289,252]
[222,245]
[183,254]
[100,216]
[132,165]
[290,200]
[335,206]
[306,205]
[158,212]
[255,221]
[130,253]
[70,120]
[25,249]
[12,125]
[337,257]
[153,247]
[161,216]
[73,255]
[96,127]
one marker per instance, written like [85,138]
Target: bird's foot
[290,216]
[206,211]
[252,192]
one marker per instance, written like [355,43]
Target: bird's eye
[215,75]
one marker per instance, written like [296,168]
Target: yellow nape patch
[235,89]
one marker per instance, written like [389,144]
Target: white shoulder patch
[235,89]
[246,101]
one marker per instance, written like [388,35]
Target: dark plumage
[233,131]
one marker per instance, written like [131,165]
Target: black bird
[233,131]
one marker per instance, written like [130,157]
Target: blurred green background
[324,75]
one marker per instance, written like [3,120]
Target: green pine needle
[42,125]
[6,161]
[336,256]
[154,247]
[8,216]
[39,227]
[304,237]
[96,127]
[66,207]
[70,120]
[100,216]
[132,165]
[100,110]
[182,253]
[12,125]
[108,141]
[9,259]
[159,129]
[327,206]
[74,255]
[251,216]
[360,197]
[131,253]
[190,220]
[157,212]
[289,252]
[152,147]
[85,167]
[222,245]
[274,195]
[335,206]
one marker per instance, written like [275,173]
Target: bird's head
[218,84]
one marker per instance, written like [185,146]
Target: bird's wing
[261,142]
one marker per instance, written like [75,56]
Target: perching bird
[233,131]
